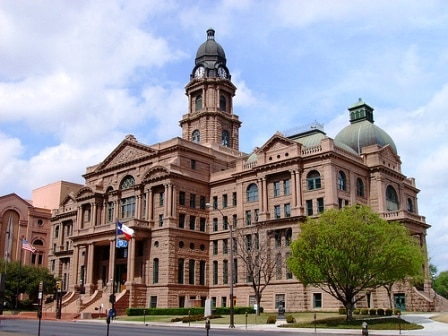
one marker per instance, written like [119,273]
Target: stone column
[74,276]
[90,266]
[131,261]
[112,264]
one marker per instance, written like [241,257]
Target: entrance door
[400,301]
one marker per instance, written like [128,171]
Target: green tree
[346,252]
[25,279]
[441,284]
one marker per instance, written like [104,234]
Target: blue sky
[77,76]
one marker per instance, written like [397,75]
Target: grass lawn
[324,320]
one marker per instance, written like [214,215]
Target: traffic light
[58,286]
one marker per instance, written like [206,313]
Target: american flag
[27,246]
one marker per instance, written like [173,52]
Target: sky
[77,76]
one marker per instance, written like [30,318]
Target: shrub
[372,311]
[342,311]
[290,319]
[364,311]
[380,311]
[271,320]
[357,311]
[389,312]
[397,311]
[184,311]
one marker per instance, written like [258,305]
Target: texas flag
[126,231]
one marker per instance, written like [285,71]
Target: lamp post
[232,320]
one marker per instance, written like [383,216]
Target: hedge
[184,311]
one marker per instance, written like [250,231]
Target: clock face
[199,73]
[222,73]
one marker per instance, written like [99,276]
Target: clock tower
[210,119]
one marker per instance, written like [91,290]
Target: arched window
[222,103]
[342,181]
[359,187]
[391,199]
[198,102]
[191,271]
[127,182]
[225,138]
[313,180]
[196,137]
[38,242]
[252,193]
[410,205]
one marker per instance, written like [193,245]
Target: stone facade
[182,196]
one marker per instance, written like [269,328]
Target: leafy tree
[441,284]
[254,250]
[25,279]
[345,252]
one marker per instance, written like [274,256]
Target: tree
[441,284]
[346,252]
[25,279]
[253,248]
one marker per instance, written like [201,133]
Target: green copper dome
[362,132]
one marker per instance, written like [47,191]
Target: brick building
[182,196]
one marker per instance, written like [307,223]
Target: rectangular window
[153,302]
[202,273]
[182,197]
[215,202]
[224,201]
[215,272]
[320,205]
[191,271]
[161,198]
[278,266]
[202,203]
[192,222]
[256,212]
[182,221]
[234,201]
[193,164]
[309,207]
[248,217]
[278,239]
[225,246]
[225,223]
[248,242]
[276,189]
[279,301]
[110,212]
[215,224]
[128,207]
[287,210]
[235,271]
[213,301]
[317,300]
[288,271]
[215,247]
[180,270]
[225,272]
[192,201]
[277,211]
[161,220]
[234,220]
[287,187]
[155,274]
[224,301]
[202,224]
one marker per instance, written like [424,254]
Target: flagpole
[19,276]
[112,297]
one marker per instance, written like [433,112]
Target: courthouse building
[182,196]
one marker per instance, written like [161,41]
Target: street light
[232,322]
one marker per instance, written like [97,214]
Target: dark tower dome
[210,60]
[362,132]
[210,49]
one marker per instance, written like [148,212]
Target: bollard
[207,324]
[246,320]
[365,329]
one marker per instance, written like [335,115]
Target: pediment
[277,143]
[129,150]
[156,173]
